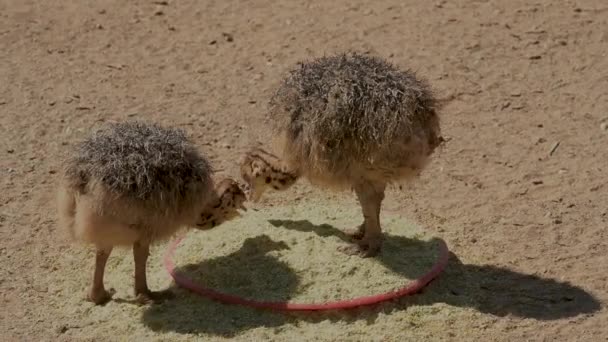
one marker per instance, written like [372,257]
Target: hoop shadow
[489,289]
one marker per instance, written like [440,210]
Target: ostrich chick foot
[150,297]
[100,296]
[365,247]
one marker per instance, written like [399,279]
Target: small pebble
[228,37]
[62,329]
[604,126]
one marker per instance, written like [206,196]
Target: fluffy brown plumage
[144,162]
[132,183]
[349,121]
[349,116]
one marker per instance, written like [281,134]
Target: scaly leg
[97,293]
[141,251]
[370,197]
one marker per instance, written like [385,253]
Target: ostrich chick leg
[370,197]
[143,295]
[98,293]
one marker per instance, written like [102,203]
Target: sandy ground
[518,192]
[281,253]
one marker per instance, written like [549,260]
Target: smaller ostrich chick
[132,184]
[348,122]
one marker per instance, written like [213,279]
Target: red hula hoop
[413,287]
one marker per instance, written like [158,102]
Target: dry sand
[524,219]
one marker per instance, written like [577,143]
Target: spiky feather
[144,163]
[349,116]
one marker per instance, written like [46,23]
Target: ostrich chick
[228,199]
[348,122]
[132,184]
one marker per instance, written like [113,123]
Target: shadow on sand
[252,273]
[492,290]
[249,272]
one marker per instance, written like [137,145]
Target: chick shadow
[249,272]
[491,290]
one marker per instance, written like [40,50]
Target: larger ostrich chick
[349,122]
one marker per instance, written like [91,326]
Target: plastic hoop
[411,288]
